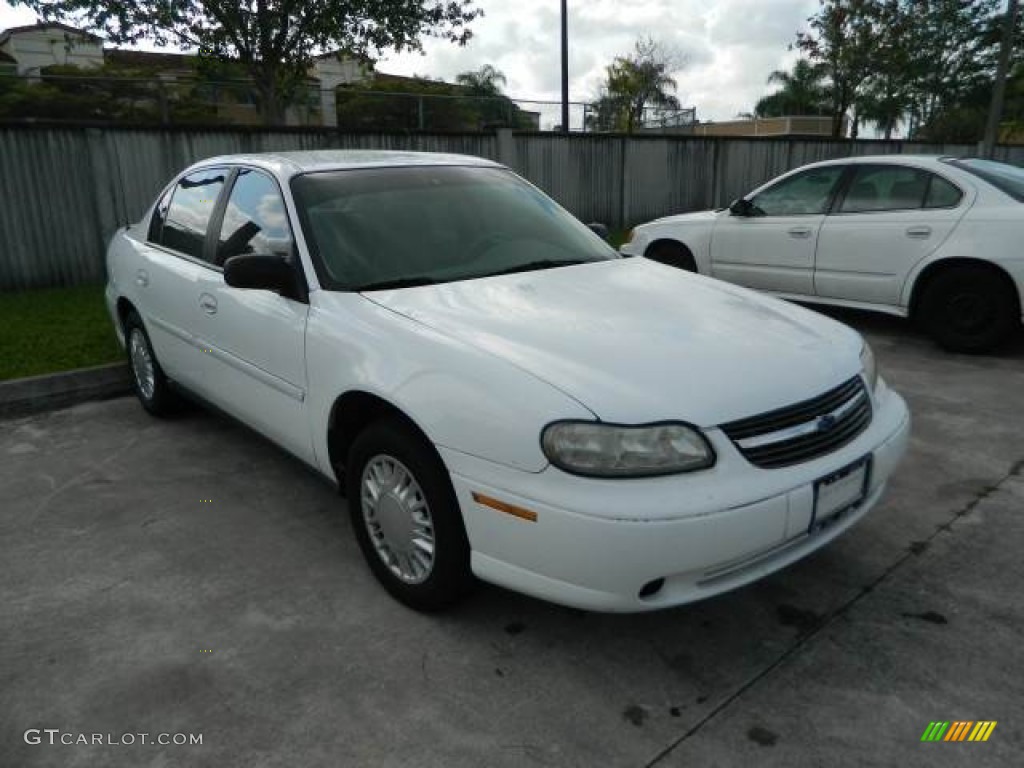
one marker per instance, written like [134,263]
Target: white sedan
[932,238]
[495,390]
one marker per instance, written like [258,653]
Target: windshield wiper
[532,266]
[399,282]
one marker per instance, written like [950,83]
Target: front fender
[695,235]
[462,398]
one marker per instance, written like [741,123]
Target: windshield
[1008,178]
[394,227]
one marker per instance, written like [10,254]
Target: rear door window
[188,215]
[877,188]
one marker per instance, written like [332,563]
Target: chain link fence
[166,100]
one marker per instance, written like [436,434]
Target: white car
[495,389]
[932,238]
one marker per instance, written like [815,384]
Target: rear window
[1004,177]
[942,194]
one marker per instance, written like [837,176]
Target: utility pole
[995,111]
[565,66]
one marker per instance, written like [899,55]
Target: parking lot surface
[184,576]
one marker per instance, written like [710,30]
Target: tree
[484,88]
[486,81]
[922,62]
[802,92]
[954,45]
[392,103]
[841,39]
[109,93]
[887,95]
[635,84]
[274,40]
[403,104]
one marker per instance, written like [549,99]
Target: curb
[19,397]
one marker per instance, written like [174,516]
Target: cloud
[730,47]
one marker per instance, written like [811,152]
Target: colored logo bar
[959,730]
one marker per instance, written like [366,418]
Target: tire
[672,254]
[968,309]
[393,534]
[148,380]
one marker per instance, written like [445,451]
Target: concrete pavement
[187,577]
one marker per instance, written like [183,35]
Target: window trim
[854,167]
[162,203]
[217,218]
[169,195]
[213,233]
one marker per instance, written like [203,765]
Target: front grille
[803,431]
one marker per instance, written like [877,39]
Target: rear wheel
[406,517]
[968,309]
[148,380]
[672,254]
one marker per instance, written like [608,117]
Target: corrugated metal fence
[64,190]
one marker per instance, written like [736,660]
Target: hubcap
[398,519]
[142,363]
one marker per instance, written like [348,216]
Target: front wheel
[148,380]
[406,517]
[672,254]
[968,309]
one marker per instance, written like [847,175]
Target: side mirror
[742,207]
[600,230]
[261,271]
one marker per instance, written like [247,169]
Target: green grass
[617,237]
[64,328]
[54,330]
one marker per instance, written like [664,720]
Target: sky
[729,47]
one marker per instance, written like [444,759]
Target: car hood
[697,217]
[635,341]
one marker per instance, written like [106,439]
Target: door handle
[801,233]
[208,304]
[919,233]
[142,278]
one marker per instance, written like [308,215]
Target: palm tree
[484,91]
[486,81]
[636,85]
[802,92]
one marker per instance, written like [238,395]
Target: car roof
[287,164]
[909,159]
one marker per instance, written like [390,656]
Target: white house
[331,70]
[46,44]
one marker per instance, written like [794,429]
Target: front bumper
[596,543]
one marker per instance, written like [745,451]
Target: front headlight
[610,450]
[869,366]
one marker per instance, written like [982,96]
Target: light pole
[565,67]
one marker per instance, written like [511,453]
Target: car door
[256,338]
[773,249]
[889,217]
[170,278]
